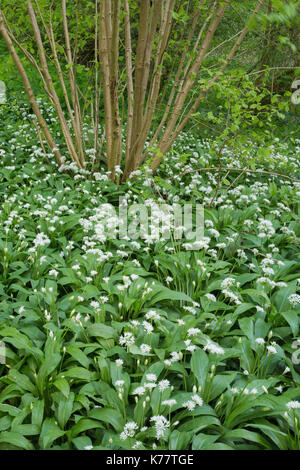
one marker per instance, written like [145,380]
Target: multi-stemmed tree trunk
[146,135]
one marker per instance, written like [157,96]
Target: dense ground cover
[121,344]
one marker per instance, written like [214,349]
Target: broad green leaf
[16,439]
[102,331]
[110,416]
[293,320]
[50,432]
[79,373]
[62,385]
[199,366]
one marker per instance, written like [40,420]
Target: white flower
[268,271]
[161,425]
[41,240]
[53,272]
[271,349]
[260,341]
[190,405]
[163,385]
[145,348]
[76,267]
[192,310]
[148,327]
[127,339]
[227,282]
[151,377]
[139,391]
[175,356]
[137,445]
[193,331]
[94,304]
[169,402]
[232,296]
[259,309]
[294,299]
[198,400]
[292,405]
[119,383]
[214,348]
[150,385]
[152,315]
[129,430]
[191,348]
[266,229]
[211,297]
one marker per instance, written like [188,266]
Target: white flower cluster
[161,425]
[129,430]
[294,299]
[265,228]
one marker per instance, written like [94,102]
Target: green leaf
[26,429]
[78,355]
[65,408]
[202,441]
[50,432]
[22,381]
[80,373]
[5,423]
[243,434]
[197,424]
[62,385]
[16,439]
[83,425]
[180,440]
[199,366]
[82,442]
[102,331]
[110,416]
[293,320]
[220,383]
[160,293]
[48,366]
[37,413]
[280,298]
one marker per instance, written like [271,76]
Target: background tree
[134,81]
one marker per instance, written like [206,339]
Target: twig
[41,140]
[244,170]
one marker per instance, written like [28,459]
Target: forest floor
[112,343]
